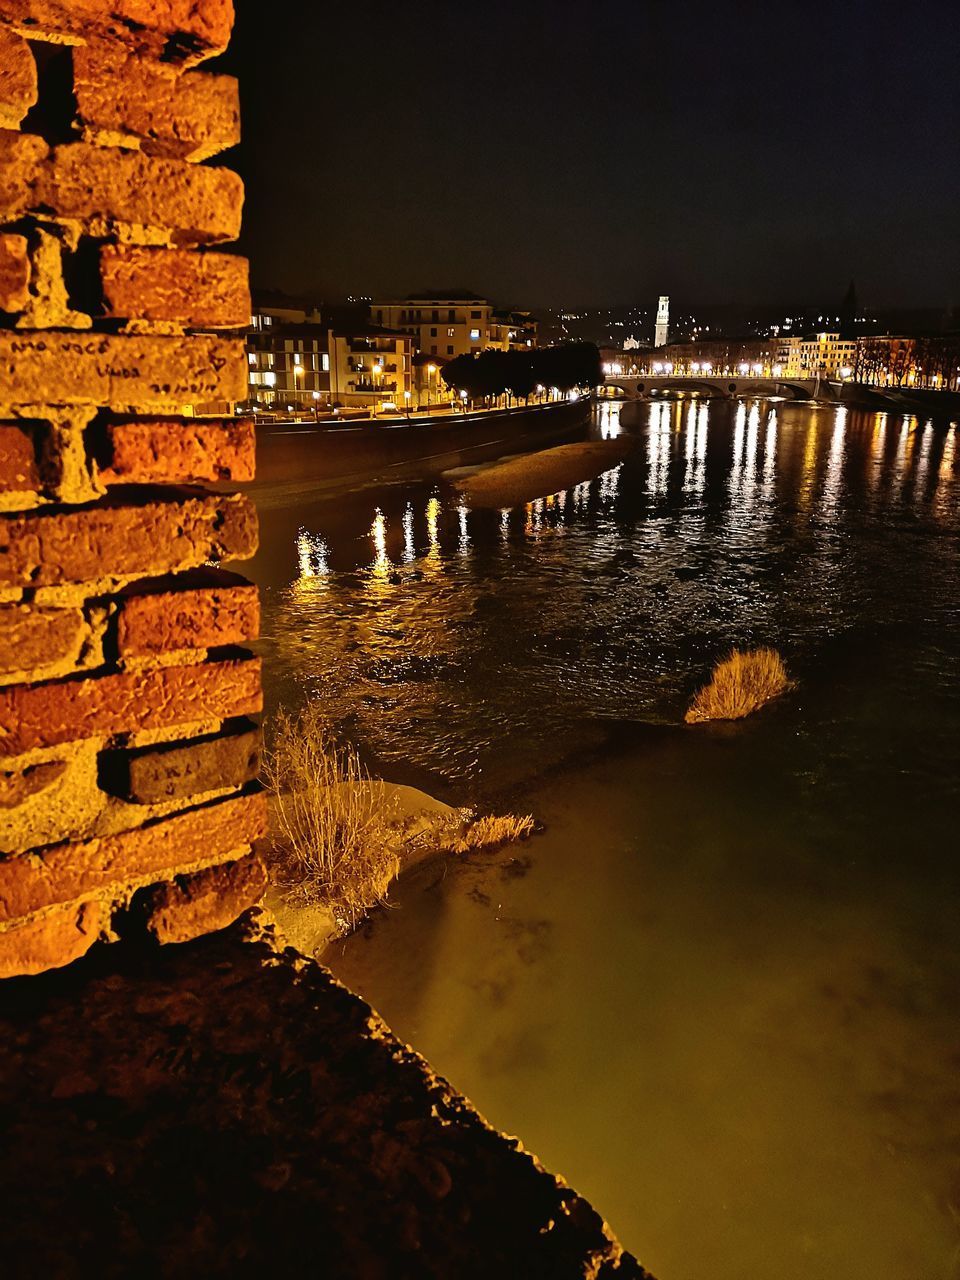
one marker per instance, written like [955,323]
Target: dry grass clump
[466,832]
[337,832]
[340,836]
[741,684]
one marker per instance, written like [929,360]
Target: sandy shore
[520,480]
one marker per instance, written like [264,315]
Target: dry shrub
[490,830]
[340,835]
[337,832]
[460,831]
[740,685]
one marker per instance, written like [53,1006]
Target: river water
[720,992]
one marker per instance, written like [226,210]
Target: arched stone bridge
[632,386]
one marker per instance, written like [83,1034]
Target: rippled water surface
[721,992]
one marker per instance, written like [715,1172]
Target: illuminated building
[824,355]
[663,322]
[455,322]
[288,361]
[370,366]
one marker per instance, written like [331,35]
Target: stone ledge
[236,1111]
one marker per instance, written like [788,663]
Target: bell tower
[663,322]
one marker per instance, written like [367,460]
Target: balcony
[371,388]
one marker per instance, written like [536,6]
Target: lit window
[451,332]
[474,335]
[325,362]
[251,358]
[270,379]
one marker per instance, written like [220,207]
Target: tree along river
[720,992]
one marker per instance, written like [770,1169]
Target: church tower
[663,322]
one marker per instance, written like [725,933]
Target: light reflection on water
[721,994]
[442,636]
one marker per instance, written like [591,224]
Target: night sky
[605,152]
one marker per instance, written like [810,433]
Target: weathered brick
[122,373]
[112,187]
[18,79]
[157,774]
[18,785]
[22,155]
[35,637]
[203,902]
[14,273]
[106,189]
[124,99]
[179,31]
[18,459]
[43,715]
[51,940]
[196,289]
[111,864]
[191,617]
[44,548]
[179,451]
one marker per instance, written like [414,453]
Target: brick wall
[128,801]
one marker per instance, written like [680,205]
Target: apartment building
[824,355]
[443,325]
[288,361]
[370,366]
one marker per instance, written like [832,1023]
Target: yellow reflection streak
[432,559]
[312,556]
[877,443]
[945,477]
[770,457]
[809,468]
[923,459]
[409,547]
[831,484]
[378,533]
[303,554]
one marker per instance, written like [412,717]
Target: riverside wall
[128,756]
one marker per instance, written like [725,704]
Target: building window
[433,333]
[451,314]
[325,362]
[474,315]
[451,332]
[433,349]
[449,351]
[436,315]
[474,335]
